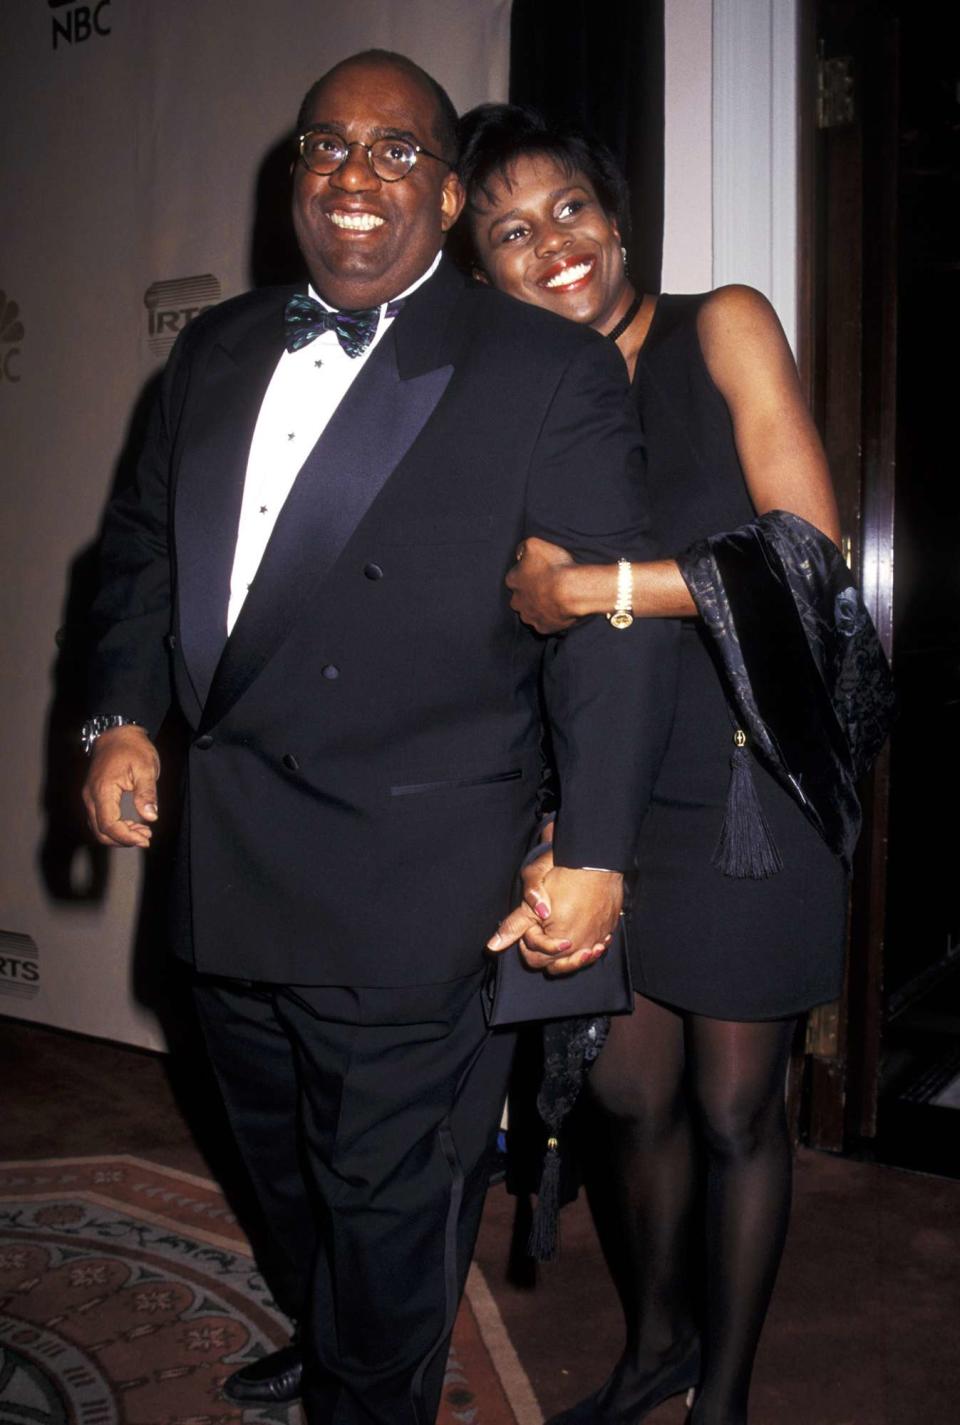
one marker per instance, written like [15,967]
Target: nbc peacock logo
[11,335]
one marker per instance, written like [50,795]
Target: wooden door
[881,288]
[848,357]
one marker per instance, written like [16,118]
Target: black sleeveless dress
[703,941]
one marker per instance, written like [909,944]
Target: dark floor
[919,1111]
[864,1323]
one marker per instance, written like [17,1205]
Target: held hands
[566,919]
[537,581]
[123,760]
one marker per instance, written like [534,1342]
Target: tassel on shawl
[746,848]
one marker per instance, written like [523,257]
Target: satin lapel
[369,434]
[210,491]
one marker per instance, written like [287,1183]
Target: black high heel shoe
[616,1404]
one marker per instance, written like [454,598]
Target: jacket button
[170,641]
[330,670]
[373,571]
[202,743]
[290,762]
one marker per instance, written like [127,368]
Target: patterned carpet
[127,1294]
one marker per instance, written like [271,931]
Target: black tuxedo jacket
[366,744]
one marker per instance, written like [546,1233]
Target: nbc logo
[81,22]
[11,335]
[172,305]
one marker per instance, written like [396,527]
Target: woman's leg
[736,1080]
[640,1180]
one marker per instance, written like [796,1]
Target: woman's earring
[623,254]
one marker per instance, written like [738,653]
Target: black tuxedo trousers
[368,1146]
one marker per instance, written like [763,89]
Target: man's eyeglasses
[390,159]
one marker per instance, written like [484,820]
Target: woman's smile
[569,274]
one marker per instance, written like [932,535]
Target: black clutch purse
[515,994]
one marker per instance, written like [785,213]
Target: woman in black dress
[723,966]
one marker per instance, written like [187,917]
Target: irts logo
[11,335]
[19,966]
[80,23]
[172,305]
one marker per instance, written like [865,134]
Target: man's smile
[354,221]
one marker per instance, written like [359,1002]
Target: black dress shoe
[274,1379]
[620,1402]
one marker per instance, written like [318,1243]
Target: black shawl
[802,661]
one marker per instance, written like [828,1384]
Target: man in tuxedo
[310,561]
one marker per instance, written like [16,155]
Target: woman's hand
[533,909]
[557,954]
[537,583]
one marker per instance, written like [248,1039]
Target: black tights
[673,1092]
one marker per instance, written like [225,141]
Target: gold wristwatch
[622,615]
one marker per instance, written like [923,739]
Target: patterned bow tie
[304,319]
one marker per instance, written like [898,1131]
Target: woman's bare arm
[784,465]
[748,357]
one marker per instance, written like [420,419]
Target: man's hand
[123,760]
[567,918]
[536,581]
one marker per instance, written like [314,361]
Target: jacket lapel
[369,434]
[210,490]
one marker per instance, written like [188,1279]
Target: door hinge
[836,98]
[823,1031]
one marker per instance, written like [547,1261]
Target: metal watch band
[95,726]
[622,616]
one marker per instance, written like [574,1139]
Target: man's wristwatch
[622,615]
[94,726]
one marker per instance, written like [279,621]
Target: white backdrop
[133,135]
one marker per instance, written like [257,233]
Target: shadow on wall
[274,257]
[73,867]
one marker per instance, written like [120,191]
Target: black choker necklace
[625,320]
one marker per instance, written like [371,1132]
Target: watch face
[621,619]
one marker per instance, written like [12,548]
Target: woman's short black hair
[494,136]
